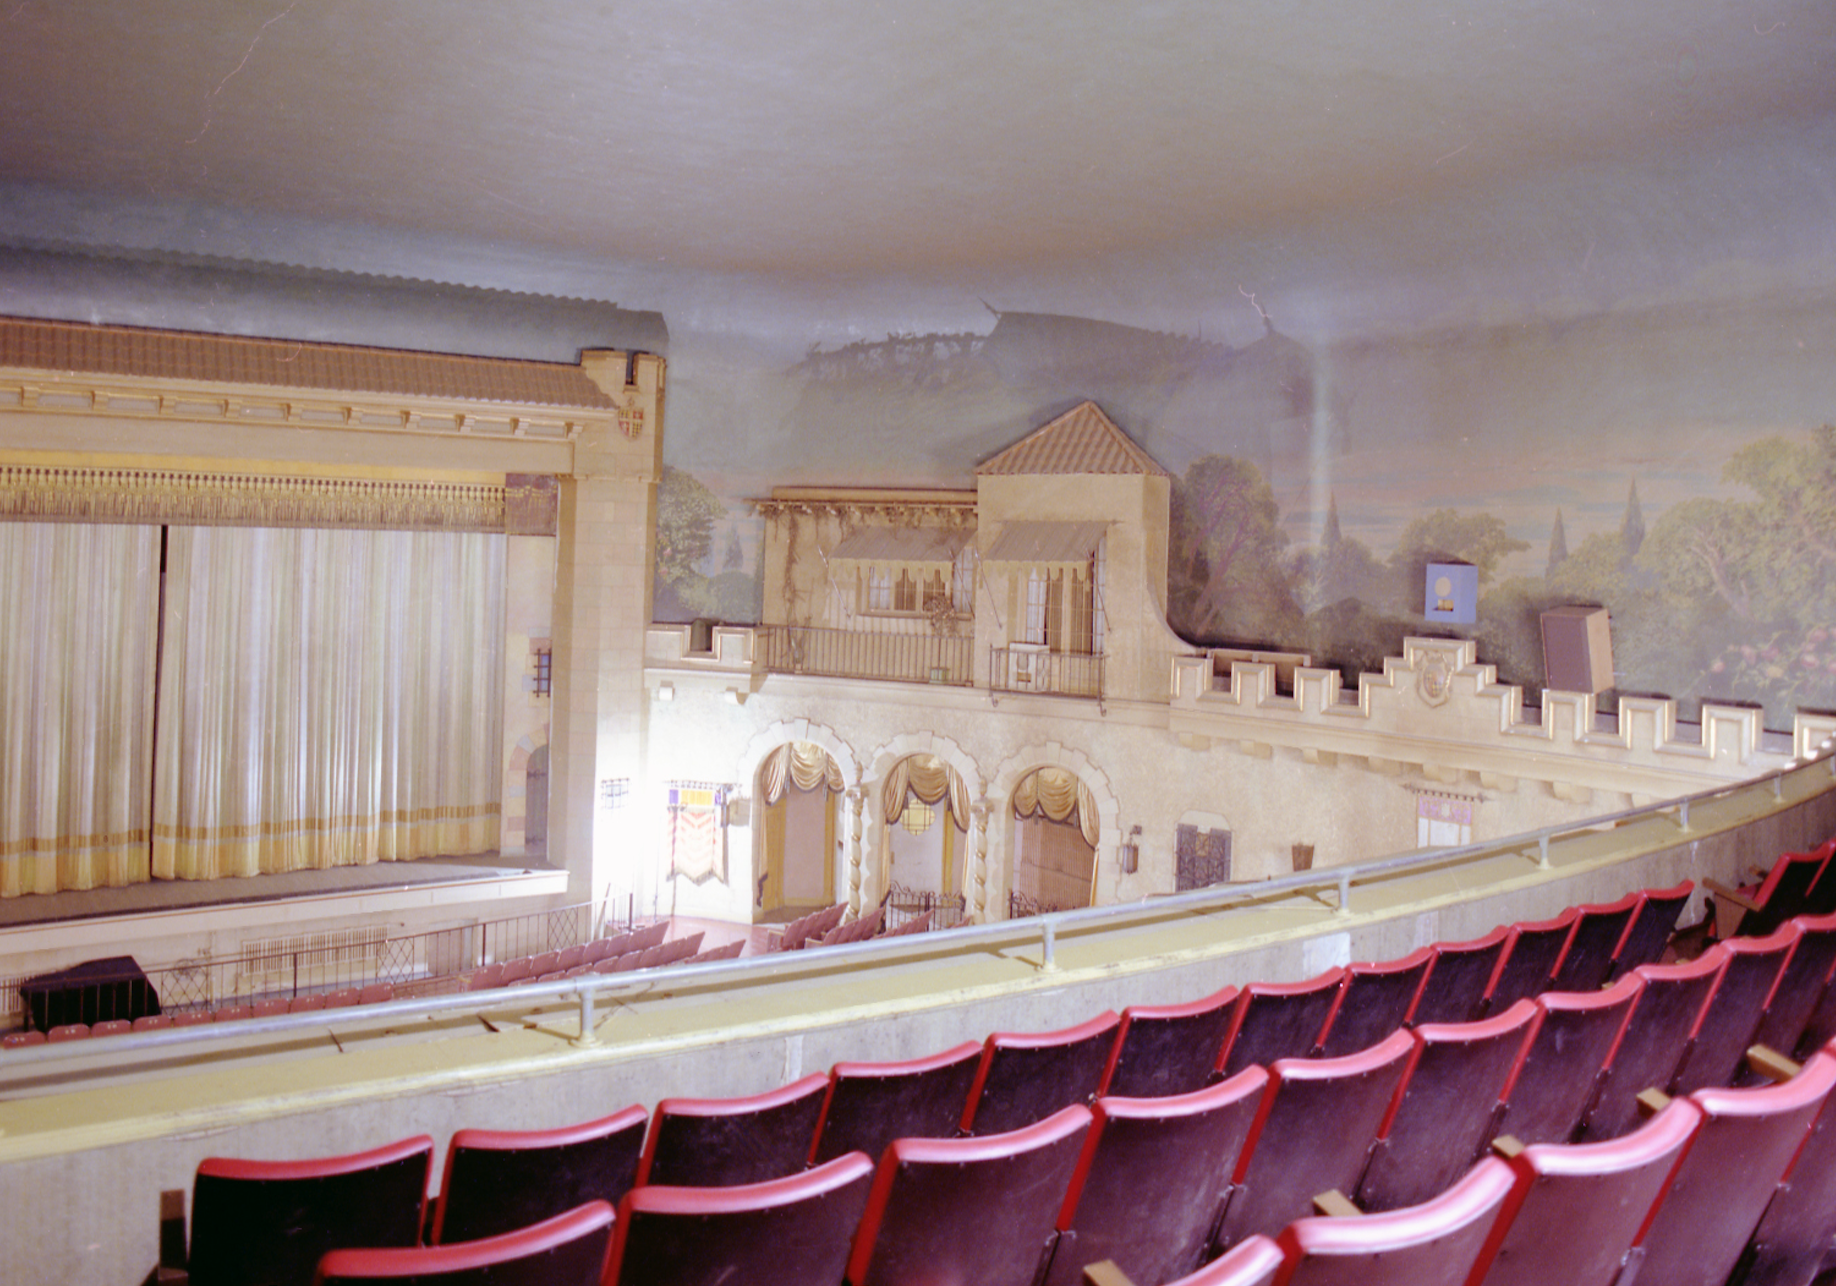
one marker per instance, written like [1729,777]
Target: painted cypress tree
[1558,546]
[1632,529]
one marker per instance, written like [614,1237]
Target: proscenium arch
[1052,754]
[881,762]
[765,741]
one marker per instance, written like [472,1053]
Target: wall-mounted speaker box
[1577,650]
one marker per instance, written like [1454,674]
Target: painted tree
[1226,575]
[1632,526]
[1448,536]
[686,514]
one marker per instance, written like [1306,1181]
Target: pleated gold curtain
[802,764]
[78,623]
[930,780]
[327,698]
[1061,796]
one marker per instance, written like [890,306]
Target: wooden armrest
[1335,1203]
[1105,1273]
[1771,1064]
[1507,1145]
[1651,1102]
[1733,895]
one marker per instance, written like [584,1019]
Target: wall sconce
[1131,851]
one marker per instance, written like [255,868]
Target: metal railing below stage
[589,990]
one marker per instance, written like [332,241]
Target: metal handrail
[1044,929]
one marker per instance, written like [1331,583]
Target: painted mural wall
[1674,464]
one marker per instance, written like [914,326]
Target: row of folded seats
[1796,884]
[824,928]
[1163,1136]
[640,949]
[375,993]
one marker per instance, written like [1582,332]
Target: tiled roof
[222,359]
[1082,440]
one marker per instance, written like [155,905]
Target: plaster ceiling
[812,141]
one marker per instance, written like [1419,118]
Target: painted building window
[905,592]
[879,589]
[544,671]
[935,598]
[962,586]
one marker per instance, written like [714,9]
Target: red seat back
[871,1104]
[1579,1206]
[567,1250]
[1375,1001]
[1448,1106]
[795,1229]
[711,1142]
[1279,1020]
[1434,1243]
[978,1210]
[1575,1033]
[1027,1076]
[1169,1049]
[500,1180]
[1454,991]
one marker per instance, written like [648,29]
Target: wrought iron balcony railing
[1025,668]
[858,654]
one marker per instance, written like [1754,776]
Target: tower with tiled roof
[1072,531]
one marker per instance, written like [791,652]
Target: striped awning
[904,544]
[1047,542]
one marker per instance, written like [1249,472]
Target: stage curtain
[327,698]
[1061,796]
[78,620]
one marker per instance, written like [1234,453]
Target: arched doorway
[1055,838]
[800,786]
[925,803]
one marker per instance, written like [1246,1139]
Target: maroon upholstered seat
[1434,1243]
[1588,955]
[799,1228]
[1375,1000]
[1530,960]
[1279,1020]
[1562,1068]
[1649,933]
[1579,1207]
[979,1210]
[1652,1043]
[500,1180]
[1027,1076]
[871,1104]
[1728,1175]
[1182,1150]
[1253,1262]
[1732,1014]
[1454,991]
[1448,1106]
[259,1222]
[1314,1130]
[1169,1049]
[711,1142]
[567,1250]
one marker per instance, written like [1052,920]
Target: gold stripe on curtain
[328,698]
[78,619]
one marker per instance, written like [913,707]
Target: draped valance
[1061,796]
[929,780]
[802,764]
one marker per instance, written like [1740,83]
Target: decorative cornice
[35,391]
[36,494]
